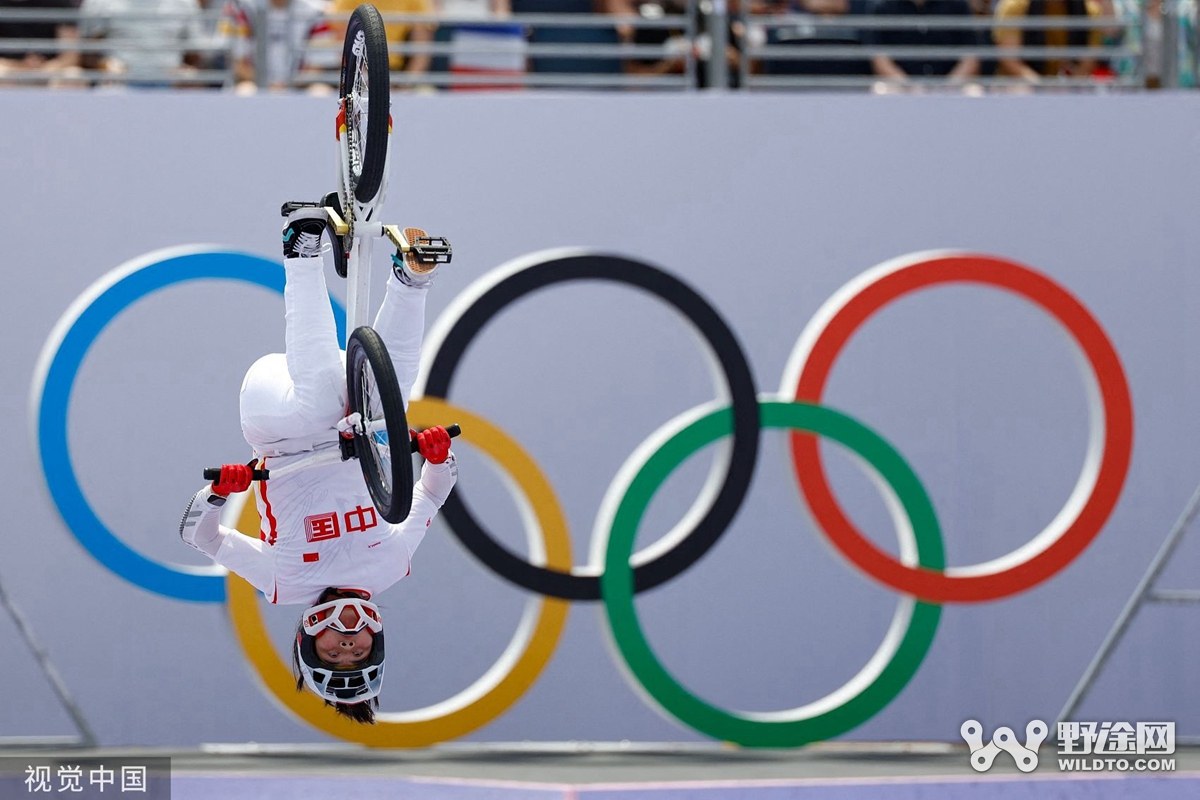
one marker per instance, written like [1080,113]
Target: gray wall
[766,205]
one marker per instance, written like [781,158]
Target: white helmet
[357,684]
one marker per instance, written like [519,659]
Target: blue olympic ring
[114,293]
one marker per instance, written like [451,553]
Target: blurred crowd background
[883,46]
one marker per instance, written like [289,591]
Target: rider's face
[344,649]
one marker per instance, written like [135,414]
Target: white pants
[291,403]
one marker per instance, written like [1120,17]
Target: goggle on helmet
[358,684]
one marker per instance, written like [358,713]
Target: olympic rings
[885,675]
[54,378]
[919,574]
[499,687]
[487,297]
[1105,466]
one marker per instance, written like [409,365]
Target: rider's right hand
[234,478]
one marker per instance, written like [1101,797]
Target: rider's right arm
[201,528]
[429,493]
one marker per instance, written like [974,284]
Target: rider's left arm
[429,493]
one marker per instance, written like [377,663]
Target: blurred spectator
[571,36]
[735,35]
[397,32]
[44,60]
[1033,69]
[982,10]
[824,7]
[143,32]
[738,31]
[1189,39]
[484,45]
[475,9]
[289,26]
[901,69]
[673,38]
[809,35]
[1129,13]
[1148,39]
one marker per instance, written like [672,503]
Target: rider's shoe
[302,232]
[424,256]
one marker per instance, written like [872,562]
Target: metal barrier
[654,50]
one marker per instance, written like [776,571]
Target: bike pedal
[432,250]
[346,448]
[296,205]
[337,228]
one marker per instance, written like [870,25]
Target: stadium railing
[590,51]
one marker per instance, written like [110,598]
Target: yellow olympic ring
[490,696]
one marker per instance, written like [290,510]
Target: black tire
[375,394]
[371,135]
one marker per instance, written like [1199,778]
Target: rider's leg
[401,319]
[401,324]
[291,402]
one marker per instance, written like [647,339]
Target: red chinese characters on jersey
[320,527]
[360,519]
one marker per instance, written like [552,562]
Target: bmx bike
[376,415]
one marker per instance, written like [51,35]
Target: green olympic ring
[908,638]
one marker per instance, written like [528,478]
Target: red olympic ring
[1109,452]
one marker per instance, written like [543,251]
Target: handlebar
[214,473]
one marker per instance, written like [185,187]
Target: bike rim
[375,429]
[359,102]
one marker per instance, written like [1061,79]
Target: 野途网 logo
[1116,746]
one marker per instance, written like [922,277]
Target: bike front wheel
[381,440]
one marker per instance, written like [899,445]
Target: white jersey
[320,529]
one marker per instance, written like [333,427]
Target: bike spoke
[360,95]
[373,422]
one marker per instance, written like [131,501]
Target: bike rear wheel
[365,91]
[374,394]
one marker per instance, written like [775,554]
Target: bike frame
[365,228]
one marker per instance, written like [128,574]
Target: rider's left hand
[434,444]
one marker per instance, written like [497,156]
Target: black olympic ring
[743,454]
